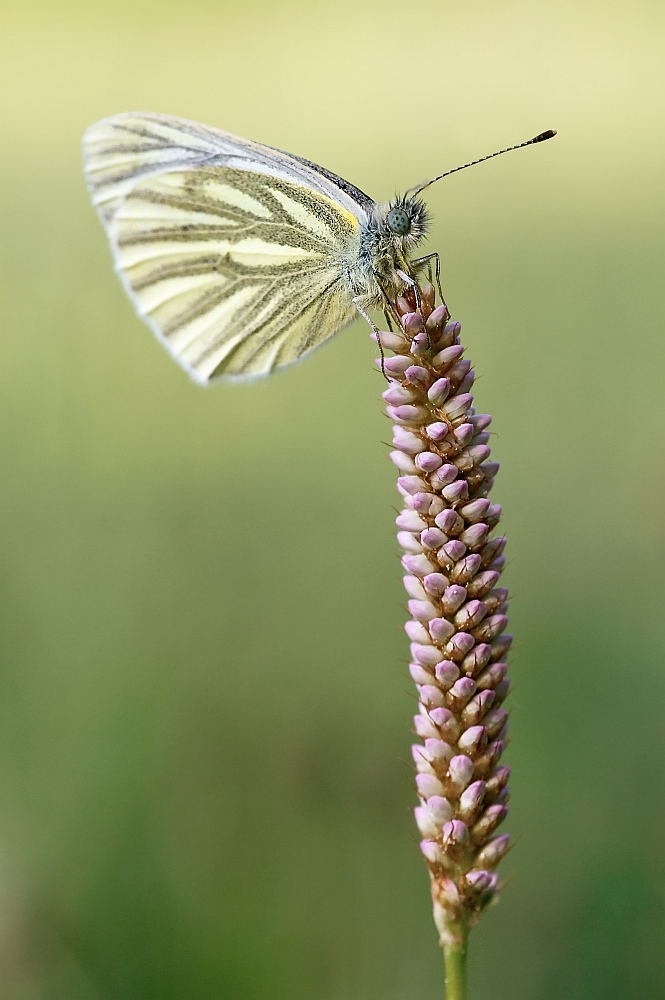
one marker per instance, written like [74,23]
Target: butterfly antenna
[539,138]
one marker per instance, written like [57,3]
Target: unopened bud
[435,583]
[471,800]
[420,674]
[428,784]
[426,825]
[465,569]
[458,490]
[468,616]
[474,662]
[441,809]
[444,476]
[458,405]
[473,740]
[432,538]
[439,391]
[494,851]
[396,365]
[488,822]
[428,461]
[477,707]
[430,696]
[490,628]
[427,655]
[419,565]
[432,852]
[463,434]
[413,484]
[448,356]
[436,318]
[475,535]
[417,632]
[482,583]
[424,726]
[494,721]
[422,611]
[491,677]
[403,462]
[447,674]
[460,773]
[460,644]
[414,588]
[501,645]
[453,598]
[455,839]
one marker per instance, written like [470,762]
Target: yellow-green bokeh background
[204,709]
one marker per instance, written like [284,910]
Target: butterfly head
[405,219]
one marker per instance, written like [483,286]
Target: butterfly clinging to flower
[242,258]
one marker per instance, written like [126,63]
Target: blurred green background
[204,705]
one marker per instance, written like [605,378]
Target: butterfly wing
[234,253]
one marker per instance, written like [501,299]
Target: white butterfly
[242,258]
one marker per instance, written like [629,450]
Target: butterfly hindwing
[235,263]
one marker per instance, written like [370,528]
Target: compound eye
[399,221]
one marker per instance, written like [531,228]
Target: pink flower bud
[419,674]
[413,323]
[396,365]
[475,536]
[463,434]
[473,740]
[430,696]
[412,485]
[447,674]
[440,629]
[448,356]
[414,588]
[429,656]
[438,392]
[429,462]
[460,772]
[418,376]
[435,583]
[432,852]
[436,431]
[458,405]
[417,632]
[458,490]
[425,822]
[398,394]
[471,800]
[453,598]
[494,851]
[424,727]
[444,476]
[428,784]
[432,538]
[437,318]
[403,462]
[469,615]
[409,542]
[410,520]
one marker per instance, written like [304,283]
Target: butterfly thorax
[387,241]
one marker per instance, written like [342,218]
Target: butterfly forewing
[235,262]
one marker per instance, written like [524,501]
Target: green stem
[456,979]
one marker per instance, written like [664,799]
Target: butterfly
[243,259]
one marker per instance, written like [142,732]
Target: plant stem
[456,978]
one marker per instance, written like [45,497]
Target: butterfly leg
[437,271]
[375,331]
[408,280]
